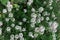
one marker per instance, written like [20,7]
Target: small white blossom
[31,34]
[41,29]
[12,36]
[9,6]
[22,38]
[4,11]
[16,36]
[13,19]
[6,19]
[29,2]
[33,20]
[25,10]
[36,29]
[20,23]
[53,26]
[41,9]
[8,29]
[35,35]
[33,10]
[10,15]
[42,18]
[47,18]
[24,19]
[18,27]
[51,8]
[32,24]
[12,25]
[21,35]
[33,15]
[24,29]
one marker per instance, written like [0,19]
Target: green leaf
[4,2]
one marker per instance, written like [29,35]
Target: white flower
[9,6]
[4,11]
[31,34]
[30,2]
[41,29]
[47,18]
[42,18]
[22,38]
[6,19]
[33,15]
[35,35]
[1,23]
[36,29]
[53,26]
[53,15]
[33,20]
[24,29]
[13,19]
[24,19]
[25,10]
[32,24]
[20,23]
[0,31]
[41,9]
[10,15]
[16,36]
[12,36]
[8,29]
[39,20]
[12,25]
[18,27]
[33,10]
[44,2]
[51,8]
[21,35]
[45,13]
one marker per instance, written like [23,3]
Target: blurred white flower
[35,35]
[24,19]
[29,2]
[53,26]
[18,27]
[41,29]
[4,11]
[16,36]
[21,35]
[10,15]
[8,29]
[22,38]
[24,29]
[25,10]
[20,23]
[33,10]
[12,36]
[13,19]
[36,29]
[6,19]
[47,18]
[33,15]
[41,18]
[9,6]
[41,9]
[31,34]
[12,25]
